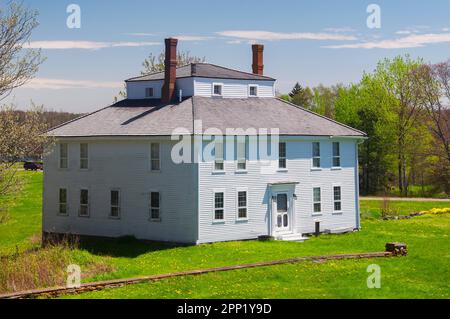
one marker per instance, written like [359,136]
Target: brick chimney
[170,72]
[258,65]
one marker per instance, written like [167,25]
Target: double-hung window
[316,154]
[241,154]
[217,89]
[115,204]
[282,155]
[242,204]
[219,206]
[155,206]
[84,156]
[218,155]
[317,200]
[63,155]
[155,162]
[336,154]
[84,203]
[337,198]
[253,90]
[148,92]
[62,201]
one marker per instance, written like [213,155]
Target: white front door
[282,213]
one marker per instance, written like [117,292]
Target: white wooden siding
[298,170]
[123,165]
[202,87]
[233,88]
[187,191]
[136,90]
[186,85]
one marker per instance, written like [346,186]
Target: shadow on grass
[128,246]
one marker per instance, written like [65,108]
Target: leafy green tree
[324,98]
[396,76]
[364,106]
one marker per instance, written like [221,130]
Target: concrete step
[292,237]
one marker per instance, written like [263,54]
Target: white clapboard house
[117,171]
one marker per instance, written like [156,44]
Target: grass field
[371,209]
[424,273]
[24,210]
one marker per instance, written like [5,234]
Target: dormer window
[217,89]
[253,90]
[148,92]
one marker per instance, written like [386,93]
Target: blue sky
[307,41]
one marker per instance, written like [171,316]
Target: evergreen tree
[297,89]
[301,96]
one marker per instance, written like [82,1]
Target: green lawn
[424,273]
[372,208]
[24,209]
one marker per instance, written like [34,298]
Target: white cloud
[403,32]
[339,30]
[234,42]
[140,34]
[181,37]
[192,38]
[85,45]
[413,29]
[274,36]
[411,41]
[60,84]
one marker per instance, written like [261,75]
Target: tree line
[403,106]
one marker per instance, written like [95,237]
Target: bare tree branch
[17,64]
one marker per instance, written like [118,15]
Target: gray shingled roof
[205,70]
[266,113]
[150,117]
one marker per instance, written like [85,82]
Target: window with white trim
[219,206]
[241,154]
[63,155]
[155,206]
[84,156]
[316,154]
[115,203]
[337,198]
[242,204]
[62,201]
[155,162]
[336,154]
[317,200]
[148,92]
[84,203]
[217,89]
[218,155]
[253,90]
[282,155]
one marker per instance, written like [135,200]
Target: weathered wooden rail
[392,249]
